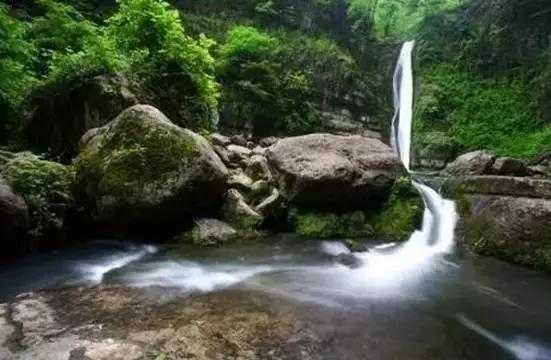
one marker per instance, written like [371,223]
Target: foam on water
[94,271]
[520,347]
[190,276]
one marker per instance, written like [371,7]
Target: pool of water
[382,306]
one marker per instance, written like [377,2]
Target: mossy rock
[402,214]
[236,211]
[140,167]
[328,225]
[45,187]
[399,219]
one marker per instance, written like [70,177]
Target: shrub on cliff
[17,55]
[258,88]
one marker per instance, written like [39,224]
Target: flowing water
[421,299]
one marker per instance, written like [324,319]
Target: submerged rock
[140,168]
[104,323]
[331,171]
[473,163]
[211,232]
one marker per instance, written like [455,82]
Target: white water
[95,270]
[400,135]
[440,217]
[520,347]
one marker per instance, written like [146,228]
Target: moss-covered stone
[402,214]
[141,164]
[327,225]
[45,187]
[236,211]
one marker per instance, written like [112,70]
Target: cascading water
[440,217]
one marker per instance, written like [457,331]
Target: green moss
[133,154]
[43,184]
[326,225]
[402,213]
[461,110]
[35,179]
[482,237]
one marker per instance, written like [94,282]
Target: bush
[260,90]
[61,29]
[476,112]
[17,56]
[151,34]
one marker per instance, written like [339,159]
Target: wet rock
[268,141]
[142,169]
[498,185]
[349,260]
[240,181]
[473,163]
[259,189]
[220,140]
[45,187]
[331,171]
[117,323]
[511,228]
[258,168]
[270,204]
[258,150]
[224,155]
[236,211]
[503,216]
[211,232]
[510,167]
[239,139]
[14,221]
[238,153]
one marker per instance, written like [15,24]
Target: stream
[453,307]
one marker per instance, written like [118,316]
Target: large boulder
[14,221]
[511,228]
[498,185]
[506,217]
[331,171]
[473,163]
[142,169]
[508,166]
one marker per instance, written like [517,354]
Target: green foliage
[259,89]
[17,56]
[475,112]
[326,225]
[395,18]
[61,29]
[40,183]
[401,214]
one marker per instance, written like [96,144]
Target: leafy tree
[151,33]
[61,29]
[259,90]
[17,56]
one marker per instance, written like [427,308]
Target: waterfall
[440,217]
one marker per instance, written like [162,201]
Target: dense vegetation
[274,67]
[484,80]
